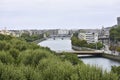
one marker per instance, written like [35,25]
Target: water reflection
[104,63]
[58,44]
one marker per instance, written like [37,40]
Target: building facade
[5,32]
[63,32]
[90,37]
[104,35]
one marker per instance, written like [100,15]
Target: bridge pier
[90,56]
[91,53]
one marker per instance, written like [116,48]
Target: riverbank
[113,57]
[40,40]
[81,48]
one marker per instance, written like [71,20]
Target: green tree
[114,34]
[14,53]
[99,45]
[54,69]
[6,58]
[116,69]
[4,45]
[31,38]
[11,73]
[72,58]
[118,49]
[5,37]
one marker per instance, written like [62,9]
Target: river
[65,45]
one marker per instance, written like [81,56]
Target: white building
[90,37]
[63,32]
[5,32]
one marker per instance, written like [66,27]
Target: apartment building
[90,37]
[63,32]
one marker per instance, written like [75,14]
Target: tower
[118,21]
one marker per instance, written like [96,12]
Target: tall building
[118,20]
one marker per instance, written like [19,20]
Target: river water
[65,45]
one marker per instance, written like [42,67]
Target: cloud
[53,4]
[59,12]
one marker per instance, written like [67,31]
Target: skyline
[58,14]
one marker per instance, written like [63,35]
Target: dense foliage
[115,38]
[20,60]
[115,48]
[82,43]
[115,34]
[31,38]
[118,49]
[116,69]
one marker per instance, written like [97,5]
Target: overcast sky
[60,14]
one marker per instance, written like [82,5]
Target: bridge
[62,36]
[84,53]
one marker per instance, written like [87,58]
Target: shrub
[32,57]
[5,37]
[31,73]
[19,44]
[14,53]
[72,58]
[4,45]
[6,58]
[9,72]
[87,72]
[116,69]
[55,69]
[112,48]
[118,49]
